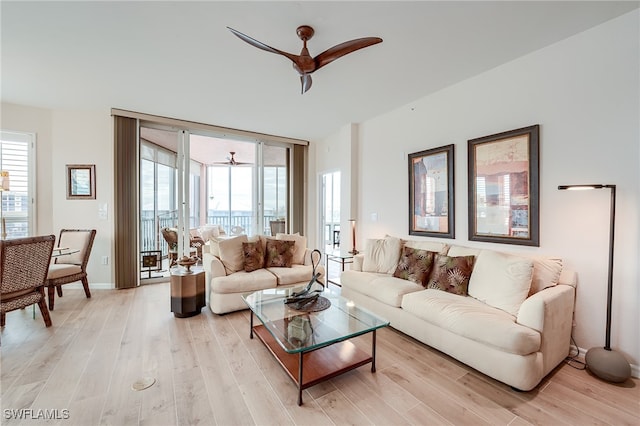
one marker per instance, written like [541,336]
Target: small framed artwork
[504,187]
[431,196]
[81,182]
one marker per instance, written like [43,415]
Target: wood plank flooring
[208,372]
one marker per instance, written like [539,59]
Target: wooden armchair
[23,270]
[69,268]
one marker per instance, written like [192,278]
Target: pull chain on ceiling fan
[304,63]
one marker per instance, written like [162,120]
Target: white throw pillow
[231,253]
[456,251]
[426,245]
[382,255]
[546,273]
[299,249]
[208,231]
[501,280]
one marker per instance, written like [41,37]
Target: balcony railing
[151,239]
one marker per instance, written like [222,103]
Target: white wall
[584,94]
[71,137]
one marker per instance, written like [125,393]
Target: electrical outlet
[105,260]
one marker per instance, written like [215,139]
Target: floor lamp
[604,362]
[4,186]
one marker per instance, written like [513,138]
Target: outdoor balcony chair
[69,268]
[170,235]
[23,270]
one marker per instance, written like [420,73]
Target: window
[17,160]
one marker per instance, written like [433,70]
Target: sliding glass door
[242,186]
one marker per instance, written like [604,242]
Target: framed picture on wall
[81,181]
[431,192]
[503,173]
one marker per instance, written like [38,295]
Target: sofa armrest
[547,308]
[358,259]
[213,265]
[550,312]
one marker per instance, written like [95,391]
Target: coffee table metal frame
[327,351]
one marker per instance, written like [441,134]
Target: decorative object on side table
[604,362]
[187,262]
[504,187]
[431,193]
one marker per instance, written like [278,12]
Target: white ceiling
[177,59]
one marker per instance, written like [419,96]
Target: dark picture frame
[431,192]
[81,181]
[504,182]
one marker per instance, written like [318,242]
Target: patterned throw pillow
[279,253]
[414,265]
[253,256]
[451,274]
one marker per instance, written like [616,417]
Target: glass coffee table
[313,346]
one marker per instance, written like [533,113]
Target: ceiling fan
[304,63]
[231,161]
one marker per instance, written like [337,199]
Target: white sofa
[514,325]
[226,279]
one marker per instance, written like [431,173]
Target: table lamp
[604,362]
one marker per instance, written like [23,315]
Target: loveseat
[510,320]
[233,268]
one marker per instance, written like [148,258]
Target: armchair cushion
[58,270]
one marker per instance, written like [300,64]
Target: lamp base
[608,364]
[354,251]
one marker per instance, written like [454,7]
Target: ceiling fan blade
[342,49]
[260,45]
[305,79]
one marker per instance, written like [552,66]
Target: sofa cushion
[382,255]
[382,287]
[253,255]
[242,281]
[231,253]
[292,275]
[299,249]
[451,274]
[414,265]
[426,245]
[457,251]
[501,280]
[279,253]
[473,320]
[546,273]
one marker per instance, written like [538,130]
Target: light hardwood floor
[208,372]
